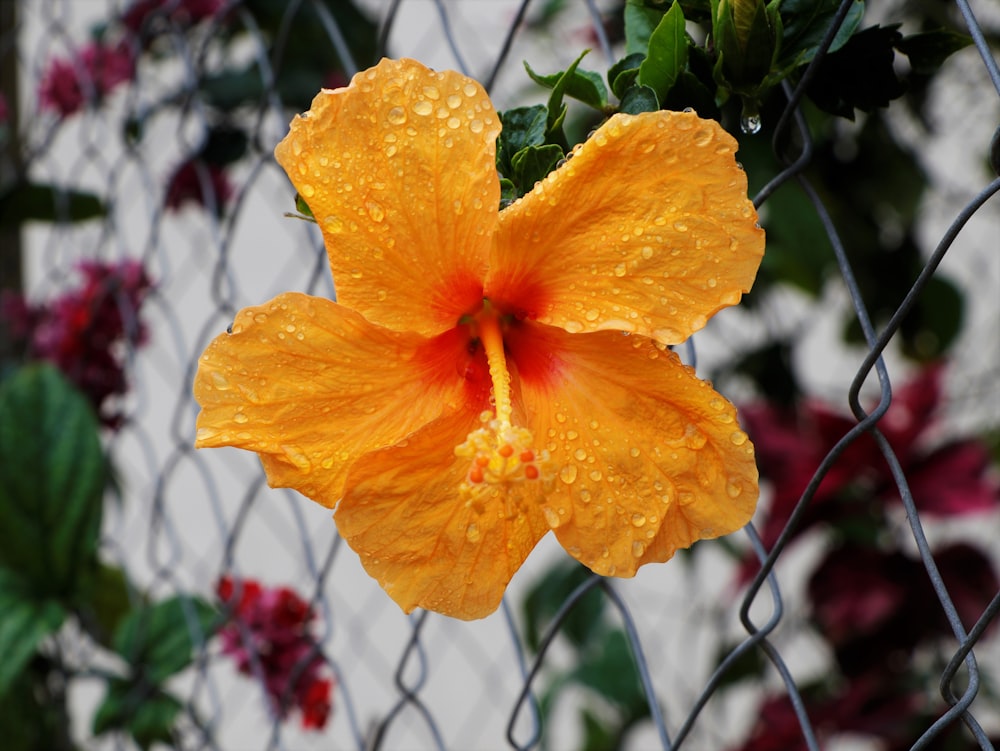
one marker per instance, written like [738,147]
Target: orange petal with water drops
[311,385]
[647,229]
[427,546]
[398,170]
[649,457]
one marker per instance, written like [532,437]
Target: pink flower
[68,84]
[947,479]
[201,183]
[271,629]
[84,331]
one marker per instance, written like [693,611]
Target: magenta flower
[270,630]
[200,183]
[86,331]
[946,479]
[92,74]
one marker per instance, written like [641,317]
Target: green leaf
[639,99]
[522,127]
[806,22]
[548,594]
[597,735]
[25,202]
[508,192]
[52,474]
[532,163]
[303,208]
[584,85]
[106,603]
[640,21]
[608,669]
[145,713]
[556,107]
[158,640]
[928,50]
[622,74]
[667,56]
[24,621]
[746,40]
[860,75]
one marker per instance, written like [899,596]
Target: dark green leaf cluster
[602,662]
[53,475]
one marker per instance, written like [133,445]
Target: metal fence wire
[185,519]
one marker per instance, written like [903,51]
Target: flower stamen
[500,453]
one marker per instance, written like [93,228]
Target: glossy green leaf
[303,208]
[640,21]
[623,74]
[550,592]
[608,668]
[532,163]
[52,474]
[144,712]
[805,23]
[158,640]
[25,202]
[24,621]
[522,127]
[928,50]
[639,99]
[667,55]
[557,108]
[105,602]
[584,85]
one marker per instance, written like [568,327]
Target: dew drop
[734,489]
[219,381]
[375,211]
[633,452]
[592,314]
[595,475]
[638,520]
[241,418]
[453,123]
[260,317]
[621,270]
[580,454]
[568,474]
[396,116]
[573,327]
[454,101]
[472,533]
[307,191]
[551,517]
[638,549]
[750,122]
[470,89]
[423,107]
[738,438]
[334,225]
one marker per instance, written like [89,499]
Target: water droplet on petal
[638,520]
[738,438]
[472,533]
[219,381]
[241,418]
[568,474]
[638,549]
[734,489]
[423,107]
[551,517]
[375,211]
[307,191]
[396,116]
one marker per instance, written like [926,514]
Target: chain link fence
[183,519]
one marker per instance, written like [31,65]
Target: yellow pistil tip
[500,455]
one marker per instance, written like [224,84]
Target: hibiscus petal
[427,546]
[398,170]
[648,457]
[311,385]
[646,229]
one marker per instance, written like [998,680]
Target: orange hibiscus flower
[487,376]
